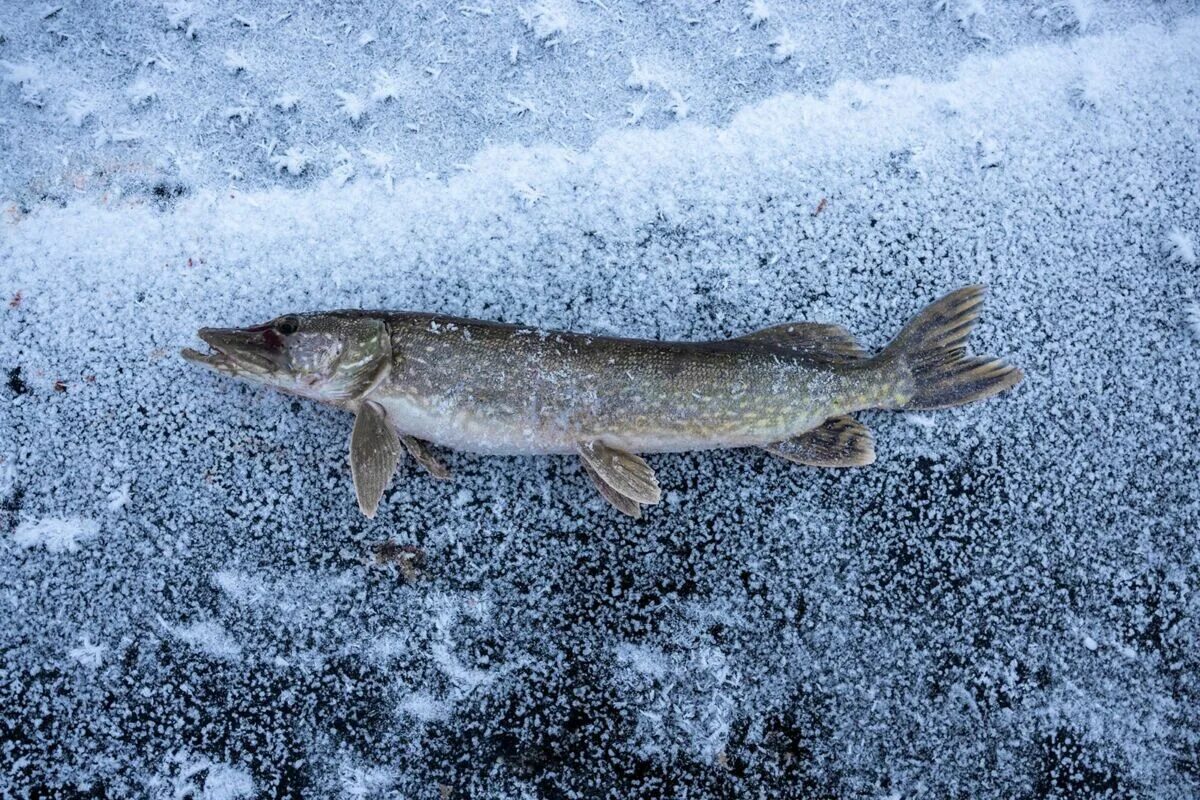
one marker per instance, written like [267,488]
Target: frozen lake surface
[1005,605]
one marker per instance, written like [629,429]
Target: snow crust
[1004,605]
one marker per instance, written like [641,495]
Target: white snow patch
[207,636]
[358,783]
[424,707]
[56,534]
[201,778]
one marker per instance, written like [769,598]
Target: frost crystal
[286,101]
[294,161]
[545,21]
[184,16]
[28,77]
[1179,246]
[141,92]
[678,106]
[57,535]
[386,87]
[1067,15]
[351,106]
[783,47]
[757,12]
[88,654]
[78,109]
[208,637]
[1192,311]
[236,62]
[640,77]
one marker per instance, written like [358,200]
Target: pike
[414,378]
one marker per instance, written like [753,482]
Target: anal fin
[837,442]
[420,453]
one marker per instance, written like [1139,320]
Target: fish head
[332,357]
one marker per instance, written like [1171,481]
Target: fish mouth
[235,351]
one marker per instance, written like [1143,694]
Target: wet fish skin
[506,389]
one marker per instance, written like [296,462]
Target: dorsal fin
[811,340]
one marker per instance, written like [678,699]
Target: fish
[414,380]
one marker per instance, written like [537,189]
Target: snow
[1005,604]
[56,535]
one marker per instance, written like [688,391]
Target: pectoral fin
[617,500]
[838,442]
[417,449]
[625,473]
[374,451]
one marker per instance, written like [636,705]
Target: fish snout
[234,349]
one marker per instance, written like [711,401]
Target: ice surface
[1004,605]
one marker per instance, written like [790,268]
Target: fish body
[505,389]
[416,378]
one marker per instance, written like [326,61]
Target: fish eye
[287,325]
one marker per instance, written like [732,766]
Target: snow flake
[236,62]
[527,194]
[640,77]
[88,654]
[78,109]
[141,92]
[678,105]
[359,783]
[635,110]
[783,47]
[286,101]
[518,106]
[386,87]
[118,498]
[28,78]
[184,16]
[757,12]
[545,21]
[241,113]
[207,636]
[352,106]
[295,160]
[1192,310]
[1067,16]
[424,707]
[1179,246]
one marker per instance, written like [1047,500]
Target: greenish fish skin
[489,388]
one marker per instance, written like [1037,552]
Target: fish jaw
[237,352]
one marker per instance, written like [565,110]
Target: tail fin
[933,349]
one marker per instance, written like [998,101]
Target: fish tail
[931,353]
